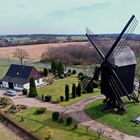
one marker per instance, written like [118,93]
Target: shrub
[80,74]
[66,92]
[69,121]
[65,74]
[74,72]
[73,90]
[61,98]
[24,91]
[55,116]
[14,107]
[78,90]
[45,72]
[48,98]
[69,70]
[50,134]
[61,77]
[41,110]
[4,101]
[89,88]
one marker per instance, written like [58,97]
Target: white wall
[5,84]
[26,86]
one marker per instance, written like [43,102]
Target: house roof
[20,74]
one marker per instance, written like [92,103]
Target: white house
[18,76]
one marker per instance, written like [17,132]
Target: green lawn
[57,89]
[3,69]
[38,125]
[120,122]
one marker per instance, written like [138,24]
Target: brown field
[35,51]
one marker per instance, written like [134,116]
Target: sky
[66,16]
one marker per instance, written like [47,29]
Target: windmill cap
[126,57]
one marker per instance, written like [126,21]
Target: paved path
[76,111]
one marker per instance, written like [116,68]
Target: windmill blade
[120,84]
[88,78]
[123,42]
[90,36]
[119,37]
[96,41]
[116,91]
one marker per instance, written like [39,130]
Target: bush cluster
[24,91]
[48,98]
[41,110]
[55,116]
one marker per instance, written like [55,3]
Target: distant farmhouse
[18,77]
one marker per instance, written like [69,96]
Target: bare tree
[21,55]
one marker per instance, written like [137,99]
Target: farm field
[38,125]
[121,122]
[35,51]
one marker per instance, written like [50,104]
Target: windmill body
[124,66]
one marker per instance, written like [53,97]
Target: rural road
[76,111]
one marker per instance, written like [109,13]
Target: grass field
[3,69]
[120,122]
[38,125]
[57,89]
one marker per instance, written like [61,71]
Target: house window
[20,85]
[38,81]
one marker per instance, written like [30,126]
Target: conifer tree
[66,92]
[32,90]
[73,90]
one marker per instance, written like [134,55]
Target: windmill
[117,68]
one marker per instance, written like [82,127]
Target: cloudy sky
[66,16]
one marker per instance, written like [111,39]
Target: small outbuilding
[18,77]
